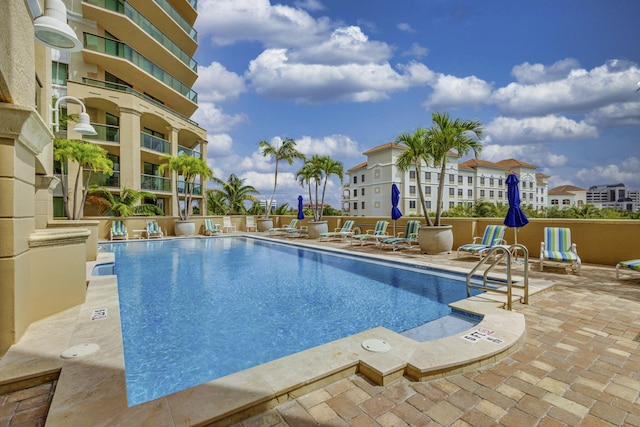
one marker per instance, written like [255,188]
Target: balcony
[189,152]
[116,48]
[155,183]
[197,188]
[164,4]
[126,9]
[102,179]
[106,133]
[154,143]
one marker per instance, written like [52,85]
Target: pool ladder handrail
[508,252]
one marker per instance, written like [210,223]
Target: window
[412,174]
[427,176]
[452,191]
[470,193]
[482,181]
[355,193]
[362,205]
[412,204]
[355,206]
[459,192]
[452,178]
[427,190]
[554,202]
[412,190]
[362,191]
[470,180]
[451,205]
[500,182]
[459,179]
[491,182]
[491,194]
[355,179]
[481,193]
[362,177]
[500,196]
[59,73]
[428,204]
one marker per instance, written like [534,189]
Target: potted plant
[316,173]
[188,167]
[432,146]
[285,150]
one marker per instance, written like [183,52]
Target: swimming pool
[193,310]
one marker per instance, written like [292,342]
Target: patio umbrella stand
[395,212]
[515,217]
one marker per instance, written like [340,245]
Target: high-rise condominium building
[135,75]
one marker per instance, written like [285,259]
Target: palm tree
[285,151]
[414,155]
[310,172]
[318,169]
[90,158]
[189,167]
[123,204]
[234,193]
[445,135]
[329,167]
[216,203]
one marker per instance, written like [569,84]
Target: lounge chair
[227,224]
[293,224]
[493,235]
[558,249]
[251,223]
[631,266]
[339,233]
[211,228]
[404,239]
[372,236]
[153,230]
[118,230]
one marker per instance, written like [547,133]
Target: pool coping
[91,390]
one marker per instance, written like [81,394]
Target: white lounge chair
[251,224]
[558,249]
[227,224]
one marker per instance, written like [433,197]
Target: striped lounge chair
[153,230]
[558,249]
[372,236]
[293,225]
[211,228]
[493,235]
[339,233]
[406,239]
[631,266]
[118,230]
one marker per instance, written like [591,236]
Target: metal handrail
[506,251]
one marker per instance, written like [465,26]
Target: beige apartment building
[367,190]
[135,75]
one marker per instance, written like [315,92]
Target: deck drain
[80,351]
[637,338]
[377,346]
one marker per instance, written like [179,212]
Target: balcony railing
[154,143]
[155,183]
[121,50]
[105,133]
[164,4]
[102,179]
[189,152]
[127,89]
[197,188]
[129,11]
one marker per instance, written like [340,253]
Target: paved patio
[579,365]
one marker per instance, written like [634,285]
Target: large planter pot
[435,239]
[265,224]
[315,228]
[184,228]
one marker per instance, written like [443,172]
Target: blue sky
[553,82]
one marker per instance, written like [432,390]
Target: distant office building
[616,196]
[566,196]
[367,191]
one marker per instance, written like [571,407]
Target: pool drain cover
[79,351]
[377,346]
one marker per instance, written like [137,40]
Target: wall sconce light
[51,28]
[83,127]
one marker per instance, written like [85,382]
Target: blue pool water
[193,310]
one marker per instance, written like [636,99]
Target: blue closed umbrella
[395,199]
[300,210]
[515,217]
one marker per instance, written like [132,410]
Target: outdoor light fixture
[83,127]
[51,28]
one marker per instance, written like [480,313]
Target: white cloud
[626,172]
[332,145]
[534,154]
[579,91]
[539,73]
[619,114]
[507,130]
[403,26]
[273,75]
[230,21]
[416,50]
[450,91]
[309,5]
[220,145]
[216,84]
[214,120]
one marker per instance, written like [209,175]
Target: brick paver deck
[579,366]
[27,407]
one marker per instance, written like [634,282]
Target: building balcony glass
[155,183]
[164,4]
[105,133]
[116,48]
[129,11]
[189,152]
[154,143]
[197,188]
[102,179]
